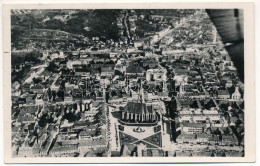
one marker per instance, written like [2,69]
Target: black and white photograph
[127,82]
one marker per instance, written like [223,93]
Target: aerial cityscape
[123,83]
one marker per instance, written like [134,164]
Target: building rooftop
[138,108]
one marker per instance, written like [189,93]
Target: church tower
[141,96]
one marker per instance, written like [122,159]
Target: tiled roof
[63,149]
[203,135]
[87,133]
[187,136]
[134,69]
[92,143]
[30,109]
[196,125]
[138,108]
[214,138]
[25,119]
